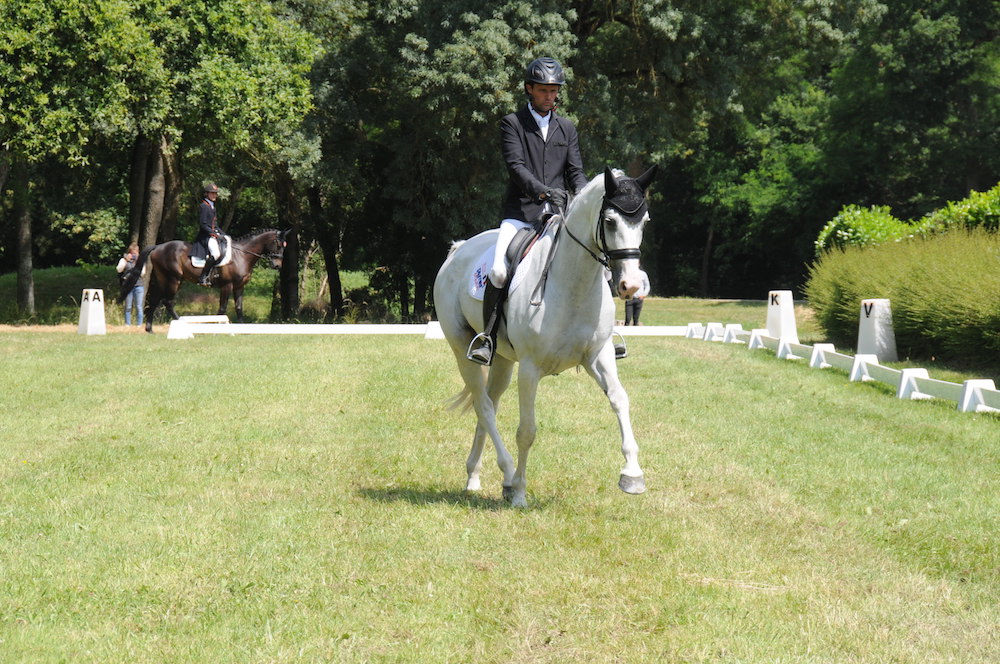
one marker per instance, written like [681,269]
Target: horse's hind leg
[486,422]
[605,372]
[496,384]
[151,304]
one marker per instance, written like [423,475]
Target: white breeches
[508,228]
[214,249]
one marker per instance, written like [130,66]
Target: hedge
[944,290]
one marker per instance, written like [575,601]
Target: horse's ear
[610,185]
[646,178]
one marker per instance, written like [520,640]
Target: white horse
[569,324]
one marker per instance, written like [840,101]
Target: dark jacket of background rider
[206,228]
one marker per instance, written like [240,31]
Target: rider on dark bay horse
[206,244]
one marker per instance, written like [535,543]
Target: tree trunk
[4,170]
[706,261]
[155,190]
[173,187]
[419,297]
[403,288]
[22,213]
[289,217]
[234,198]
[137,185]
[327,228]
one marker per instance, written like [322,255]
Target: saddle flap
[481,272]
[521,243]
[225,243]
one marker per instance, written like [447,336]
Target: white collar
[541,121]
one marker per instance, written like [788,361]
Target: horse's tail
[462,401]
[130,278]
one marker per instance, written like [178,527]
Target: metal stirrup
[484,338]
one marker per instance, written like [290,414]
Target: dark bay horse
[170,264]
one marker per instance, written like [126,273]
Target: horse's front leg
[605,372]
[224,299]
[528,377]
[238,301]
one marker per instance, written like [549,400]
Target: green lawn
[299,499]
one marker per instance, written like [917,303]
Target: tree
[236,85]
[64,77]
[914,110]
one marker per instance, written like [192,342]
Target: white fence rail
[978,395]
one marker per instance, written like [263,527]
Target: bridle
[608,255]
[270,256]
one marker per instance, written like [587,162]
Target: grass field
[299,499]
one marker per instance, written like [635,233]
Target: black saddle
[522,242]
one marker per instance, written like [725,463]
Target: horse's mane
[251,235]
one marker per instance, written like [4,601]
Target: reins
[608,255]
[270,256]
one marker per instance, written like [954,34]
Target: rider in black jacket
[542,154]
[207,230]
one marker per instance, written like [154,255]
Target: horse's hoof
[508,493]
[633,485]
[472,485]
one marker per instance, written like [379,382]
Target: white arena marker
[875,333]
[434,330]
[179,329]
[781,316]
[92,312]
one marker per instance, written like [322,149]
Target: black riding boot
[485,343]
[206,273]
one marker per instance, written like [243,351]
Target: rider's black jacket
[536,165]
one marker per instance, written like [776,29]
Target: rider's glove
[557,197]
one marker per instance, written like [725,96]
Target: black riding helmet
[545,71]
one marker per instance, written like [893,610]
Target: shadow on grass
[425,495]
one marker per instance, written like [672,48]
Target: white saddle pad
[227,257]
[481,271]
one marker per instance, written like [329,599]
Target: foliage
[860,227]
[856,226]
[69,69]
[95,236]
[944,292]
[980,209]
[767,118]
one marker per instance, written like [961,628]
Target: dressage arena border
[976,395]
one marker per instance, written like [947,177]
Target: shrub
[944,292]
[981,209]
[855,226]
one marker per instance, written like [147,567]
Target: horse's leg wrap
[484,345]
